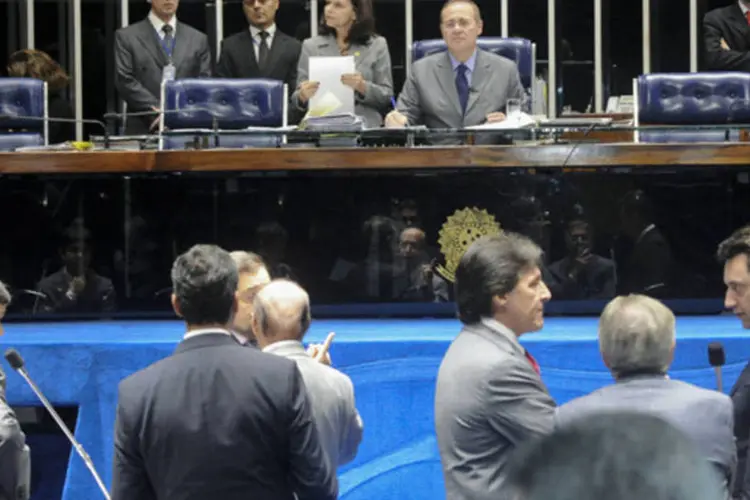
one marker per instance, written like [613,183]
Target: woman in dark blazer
[29,63]
[347,28]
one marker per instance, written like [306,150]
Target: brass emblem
[459,231]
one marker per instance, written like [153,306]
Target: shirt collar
[503,330]
[648,229]
[284,347]
[205,331]
[470,63]
[158,24]
[271,30]
[744,8]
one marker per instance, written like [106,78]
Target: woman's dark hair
[363,28]
[30,63]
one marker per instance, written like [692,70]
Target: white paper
[332,97]
[511,122]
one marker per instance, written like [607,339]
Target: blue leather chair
[519,50]
[195,108]
[23,113]
[691,99]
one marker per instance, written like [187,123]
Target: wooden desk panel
[573,155]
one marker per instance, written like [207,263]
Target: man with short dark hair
[490,398]
[253,275]
[216,420]
[617,456]
[12,439]
[734,254]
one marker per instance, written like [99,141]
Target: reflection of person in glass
[76,287]
[581,274]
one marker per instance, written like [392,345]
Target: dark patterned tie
[263,50]
[462,86]
[168,40]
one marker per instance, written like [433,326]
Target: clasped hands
[308,88]
[396,119]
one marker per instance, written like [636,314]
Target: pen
[393,102]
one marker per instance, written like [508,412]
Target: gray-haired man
[12,440]
[637,341]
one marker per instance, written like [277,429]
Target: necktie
[263,49]
[747,16]
[168,40]
[462,86]
[533,362]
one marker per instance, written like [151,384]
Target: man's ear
[176,306]
[499,302]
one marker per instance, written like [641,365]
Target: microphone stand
[62,120]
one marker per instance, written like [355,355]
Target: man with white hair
[637,341]
[280,320]
[12,440]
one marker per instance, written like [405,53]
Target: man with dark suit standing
[490,397]
[150,51]
[637,342]
[262,51]
[216,420]
[734,254]
[726,37]
[12,439]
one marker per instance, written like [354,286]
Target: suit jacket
[238,60]
[703,415]
[730,24]
[12,441]
[332,398]
[372,60]
[140,60]
[740,395]
[430,98]
[489,401]
[595,281]
[218,420]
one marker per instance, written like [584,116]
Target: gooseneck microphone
[717,359]
[16,362]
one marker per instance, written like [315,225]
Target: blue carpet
[393,364]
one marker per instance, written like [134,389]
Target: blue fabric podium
[393,364]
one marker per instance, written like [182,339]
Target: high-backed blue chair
[690,99]
[23,113]
[519,50]
[201,106]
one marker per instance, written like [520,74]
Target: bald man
[281,317]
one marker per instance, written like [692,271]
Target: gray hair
[282,309]
[247,262]
[4,295]
[636,333]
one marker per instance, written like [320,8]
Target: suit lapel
[181,45]
[248,48]
[479,78]
[150,41]
[446,80]
[739,21]
[274,55]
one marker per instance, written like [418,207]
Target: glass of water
[513,107]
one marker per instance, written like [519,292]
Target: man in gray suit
[490,398]
[152,50]
[637,341]
[461,87]
[280,321]
[12,440]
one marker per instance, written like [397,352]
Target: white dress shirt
[255,33]
[205,331]
[158,24]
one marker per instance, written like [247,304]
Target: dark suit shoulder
[236,39]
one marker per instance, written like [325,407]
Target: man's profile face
[737,280]
[460,26]
[523,307]
[260,13]
[248,287]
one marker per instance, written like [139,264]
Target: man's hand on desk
[724,45]
[307,89]
[355,81]
[395,119]
[155,123]
[495,117]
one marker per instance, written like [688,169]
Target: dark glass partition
[367,243]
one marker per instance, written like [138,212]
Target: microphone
[50,119]
[717,359]
[161,112]
[16,362]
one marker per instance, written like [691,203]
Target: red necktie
[533,362]
[747,15]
